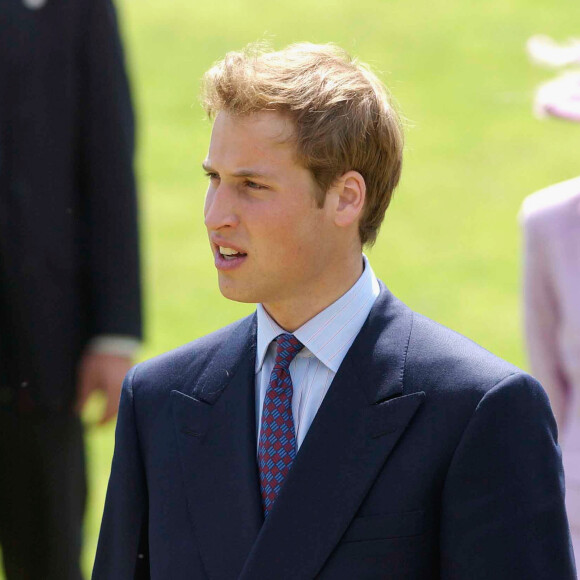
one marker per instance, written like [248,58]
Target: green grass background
[450,244]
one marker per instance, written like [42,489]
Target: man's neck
[292,314]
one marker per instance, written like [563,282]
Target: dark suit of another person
[429,458]
[69,268]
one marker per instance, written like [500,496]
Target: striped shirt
[326,339]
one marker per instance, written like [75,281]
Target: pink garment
[551,223]
[560,98]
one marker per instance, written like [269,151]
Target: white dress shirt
[326,339]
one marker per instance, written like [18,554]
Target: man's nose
[220,209]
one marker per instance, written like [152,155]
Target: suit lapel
[360,421]
[216,432]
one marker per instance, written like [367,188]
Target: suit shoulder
[444,361]
[172,367]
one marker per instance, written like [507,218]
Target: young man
[334,433]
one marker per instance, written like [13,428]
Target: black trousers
[42,494]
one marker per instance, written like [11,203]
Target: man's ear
[350,191]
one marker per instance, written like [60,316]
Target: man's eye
[254,185]
[211,175]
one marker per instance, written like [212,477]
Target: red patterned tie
[277,445]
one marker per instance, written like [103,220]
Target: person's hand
[104,373]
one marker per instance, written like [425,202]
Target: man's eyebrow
[249,172]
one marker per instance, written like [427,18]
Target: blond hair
[342,115]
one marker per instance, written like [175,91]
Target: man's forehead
[271,126]
[250,144]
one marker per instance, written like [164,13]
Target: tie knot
[288,347]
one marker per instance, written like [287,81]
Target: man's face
[271,242]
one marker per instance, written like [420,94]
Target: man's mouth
[230,253]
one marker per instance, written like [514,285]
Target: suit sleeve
[541,317]
[503,514]
[122,552]
[110,228]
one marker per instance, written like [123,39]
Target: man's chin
[236,294]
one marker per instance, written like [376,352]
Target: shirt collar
[328,335]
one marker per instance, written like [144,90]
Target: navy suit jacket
[429,458]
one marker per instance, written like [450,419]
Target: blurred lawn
[450,244]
